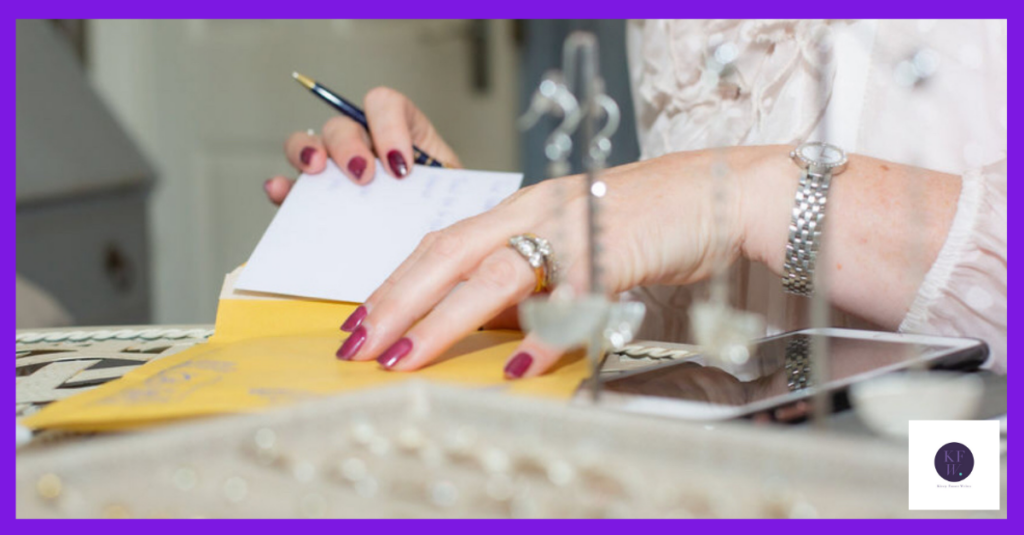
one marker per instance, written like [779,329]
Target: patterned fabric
[52,365]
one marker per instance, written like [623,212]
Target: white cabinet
[81,189]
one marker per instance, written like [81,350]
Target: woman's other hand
[396,124]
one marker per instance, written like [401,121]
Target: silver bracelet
[820,162]
[805,233]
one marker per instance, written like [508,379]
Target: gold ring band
[538,273]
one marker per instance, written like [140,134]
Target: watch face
[822,154]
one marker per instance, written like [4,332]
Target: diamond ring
[538,253]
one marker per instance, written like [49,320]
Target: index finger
[502,280]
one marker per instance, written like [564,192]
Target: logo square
[954,465]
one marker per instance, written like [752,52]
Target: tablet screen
[774,363]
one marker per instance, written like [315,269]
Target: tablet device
[700,388]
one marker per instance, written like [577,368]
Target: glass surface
[768,377]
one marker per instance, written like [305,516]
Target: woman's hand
[670,220]
[396,124]
[659,227]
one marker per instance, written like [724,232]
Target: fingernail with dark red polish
[352,344]
[354,320]
[397,163]
[306,155]
[357,166]
[516,368]
[395,353]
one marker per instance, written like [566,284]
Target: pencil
[353,112]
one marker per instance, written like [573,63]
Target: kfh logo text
[954,462]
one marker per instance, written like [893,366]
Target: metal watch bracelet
[805,232]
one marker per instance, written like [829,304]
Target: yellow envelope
[268,353]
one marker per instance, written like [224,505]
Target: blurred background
[143,145]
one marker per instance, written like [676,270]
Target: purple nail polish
[354,319]
[357,166]
[395,353]
[397,163]
[266,185]
[516,368]
[306,155]
[352,344]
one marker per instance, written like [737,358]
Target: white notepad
[335,240]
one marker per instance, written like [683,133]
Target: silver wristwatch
[820,162]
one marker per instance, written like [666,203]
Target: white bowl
[888,403]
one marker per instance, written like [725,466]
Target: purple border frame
[464,9]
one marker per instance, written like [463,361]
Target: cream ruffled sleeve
[964,292]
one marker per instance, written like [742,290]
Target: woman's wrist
[884,226]
[767,187]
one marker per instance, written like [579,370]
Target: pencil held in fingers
[394,104]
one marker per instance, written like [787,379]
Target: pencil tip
[303,80]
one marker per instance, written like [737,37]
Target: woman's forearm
[884,226]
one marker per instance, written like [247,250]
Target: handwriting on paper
[335,240]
